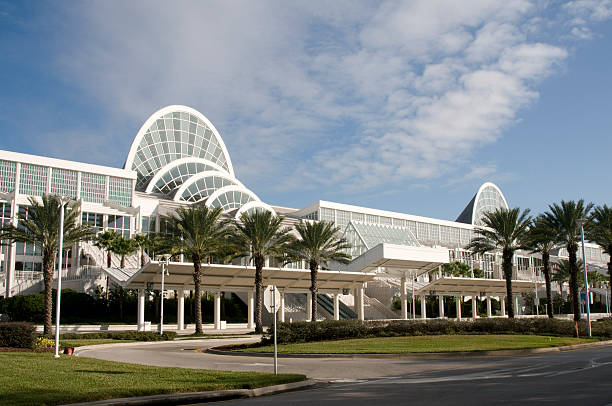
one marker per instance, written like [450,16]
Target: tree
[561,273]
[505,230]
[258,236]
[142,242]
[542,239]
[318,243]
[39,225]
[599,231]
[122,247]
[198,233]
[104,241]
[457,269]
[564,219]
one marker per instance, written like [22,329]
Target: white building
[178,159]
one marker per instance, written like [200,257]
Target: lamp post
[63,202]
[586,279]
[165,264]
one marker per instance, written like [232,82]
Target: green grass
[93,341]
[423,344]
[34,378]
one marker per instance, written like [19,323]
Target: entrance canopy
[236,278]
[453,286]
[399,260]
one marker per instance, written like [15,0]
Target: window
[371,219]
[312,216]
[33,180]
[95,220]
[358,217]
[327,214]
[93,187]
[342,217]
[120,191]
[64,182]
[147,224]
[7,176]
[386,220]
[119,224]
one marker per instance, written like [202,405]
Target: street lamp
[166,259]
[63,202]
[586,279]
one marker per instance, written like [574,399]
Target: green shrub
[121,335]
[17,335]
[342,329]
[28,308]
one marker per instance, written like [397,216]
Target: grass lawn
[93,341]
[35,378]
[421,344]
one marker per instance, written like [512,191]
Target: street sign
[270,294]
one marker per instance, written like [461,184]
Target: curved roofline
[250,205]
[480,189]
[190,181]
[171,109]
[224,189]
[191,159]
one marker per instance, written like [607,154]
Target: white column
[404,299]
[251,310]
[337,306]
[474,308]
[489,312]
[516,305]
[217,311]
[503,305]
[360,312]
[458,306]
[281,308]
[308,306]
[141,308]
[423,307]
[441,305]
[180,309]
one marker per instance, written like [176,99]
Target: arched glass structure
[488,198]
[231,197]
[253,206]
[173,175]
[201,186]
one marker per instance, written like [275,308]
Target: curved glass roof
[201,188]
[231,198]
[171,177]
[175,135]
[489,199]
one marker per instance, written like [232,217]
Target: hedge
[17,335]
[341,329]
[121,335]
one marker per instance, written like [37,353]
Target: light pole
[161,310]
[586,279]
[63,202]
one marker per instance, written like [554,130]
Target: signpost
[271,300]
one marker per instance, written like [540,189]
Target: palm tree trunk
[314,288]
[507,267]
[142,258]
[48,265]
[197,266]
[546,271]
[108,265]
[259,263]
[572,249]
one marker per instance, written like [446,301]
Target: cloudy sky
[406,106]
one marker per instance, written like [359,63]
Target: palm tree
[104,241]
[199,233]
[600,232]
[40,226]
[122,247]
[564,219]
[542,240]
[561,273]
[318,243]
[505,230]
[258,236]
[142,242]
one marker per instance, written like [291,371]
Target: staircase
[327,303]
[99,257]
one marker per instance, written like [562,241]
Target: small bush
[17,335]
[122,335]
[44,342]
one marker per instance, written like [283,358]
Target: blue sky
[405,106]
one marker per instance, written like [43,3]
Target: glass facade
[7,176]
[93,187]
[364,236]
[232,199]
[488,200]
[95,220]
[33,180]
[119,224]
[174,136]
[176,175]
[120,191]
[203,187]
[64,182]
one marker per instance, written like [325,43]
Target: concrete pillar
[337,306]
[474,307]
[309,306]
[141,308]
[217,311]
[281,308]
[180,309]
[251,310]
[489,312]
[503,305]
[441,305]
[360,310]
[516,305]
[423,307]
[458,305]
[404,299]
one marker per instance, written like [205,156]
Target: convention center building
[178,158]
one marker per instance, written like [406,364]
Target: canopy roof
[234,277]
[474,286]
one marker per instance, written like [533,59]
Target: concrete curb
[210,396]
[432,355]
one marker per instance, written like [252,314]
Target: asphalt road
[579,377]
